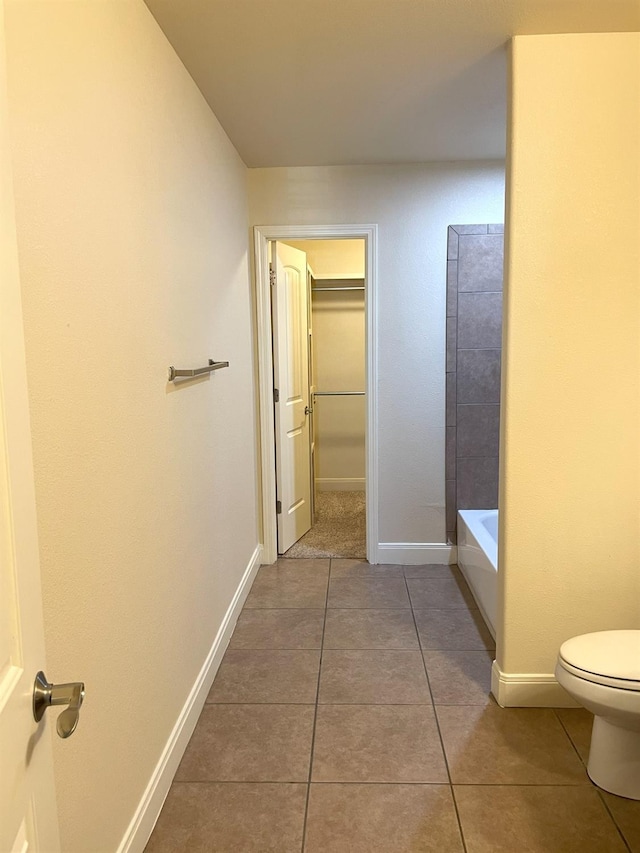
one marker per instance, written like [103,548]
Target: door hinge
[278,507]
[276,395]
[272,275]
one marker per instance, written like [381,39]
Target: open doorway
[332,427]
[333,417]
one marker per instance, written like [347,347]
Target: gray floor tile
[278,629]
[536,819]
[369,593]
[489,745]
[428,571]
[362,569]
[220,818]
[373,677]
[382,819]
[370,629]
[578,723]
[267,675]
[459,678]
[378,770]
[290,583]
[377,743]
[440,593]
[249,743]
[626,814]
[313,565]
[450,629]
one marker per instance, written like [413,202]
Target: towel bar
[174,373]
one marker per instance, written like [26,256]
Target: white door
[291,377]
[28,818]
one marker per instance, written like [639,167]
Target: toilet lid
[611,655]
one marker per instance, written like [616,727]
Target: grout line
[275,648]
[286,704]
[566,731]
[612,816]
[405,609]
[239,782]
[394,703]
[595,787]
[364,649]
[431,703]
[413,649]
[383,782]
[444,754]
[573,785]
[315,716]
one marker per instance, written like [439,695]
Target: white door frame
[263,235]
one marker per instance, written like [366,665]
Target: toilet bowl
[601,671]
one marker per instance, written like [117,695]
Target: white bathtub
[478,558]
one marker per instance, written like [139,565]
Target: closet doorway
[316,339]
[320,483]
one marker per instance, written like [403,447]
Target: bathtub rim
[484,539]
[477,566]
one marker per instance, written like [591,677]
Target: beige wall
[333,258]
[132,229]
[412,205]
[570,512]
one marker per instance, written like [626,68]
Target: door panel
[291,369]
[28,819]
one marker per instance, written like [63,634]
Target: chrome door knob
[71,695]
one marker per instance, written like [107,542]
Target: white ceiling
[328,82]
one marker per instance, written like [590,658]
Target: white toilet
[601,671]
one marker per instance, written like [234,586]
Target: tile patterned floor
[351,714]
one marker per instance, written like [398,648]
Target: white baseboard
[340,484]
[148,810]
[416,553]
[528,690]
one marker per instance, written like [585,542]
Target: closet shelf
[339,284]
[316,289]
[338,393]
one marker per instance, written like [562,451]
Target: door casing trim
[263,235]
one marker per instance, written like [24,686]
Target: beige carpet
[339,529]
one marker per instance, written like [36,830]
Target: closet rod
[338,393]
[326,289]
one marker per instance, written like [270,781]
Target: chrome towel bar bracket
[175,373]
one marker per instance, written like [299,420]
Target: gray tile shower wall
[474,340]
